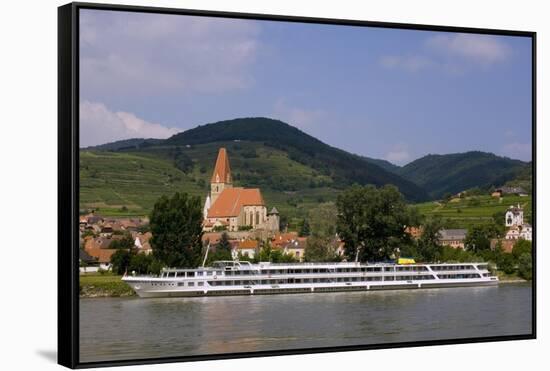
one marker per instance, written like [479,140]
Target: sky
[392,94]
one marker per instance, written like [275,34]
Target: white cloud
[411,63]
[99,125]
[297,116]
[145,54]
[481,49]
[451,53]
[398,155]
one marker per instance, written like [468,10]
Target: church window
[257,217]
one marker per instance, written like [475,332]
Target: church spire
[222,171]
[221,177]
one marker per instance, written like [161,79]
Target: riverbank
[96,285]
[510,278]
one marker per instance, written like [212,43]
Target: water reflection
[147,328]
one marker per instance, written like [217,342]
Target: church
[235,208]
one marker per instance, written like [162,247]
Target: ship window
[201,283]
[191,284]
[209,273]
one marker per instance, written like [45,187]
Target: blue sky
[391,94]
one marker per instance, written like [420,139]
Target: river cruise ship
[244,278]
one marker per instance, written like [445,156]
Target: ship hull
[146,290]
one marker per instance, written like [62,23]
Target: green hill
[342,167]
[129,182]
[453,173]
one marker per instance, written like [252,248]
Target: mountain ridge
[428,177]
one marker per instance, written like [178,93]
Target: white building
[526,232]
[514,216]
[513,233]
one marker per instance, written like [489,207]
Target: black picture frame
[68,181]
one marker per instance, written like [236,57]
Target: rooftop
[230,202]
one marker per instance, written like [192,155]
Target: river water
[133,328]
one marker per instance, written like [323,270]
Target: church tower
[221,178]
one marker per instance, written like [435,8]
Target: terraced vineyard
[129,183]
[464,212]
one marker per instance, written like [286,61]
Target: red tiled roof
[102,255]
[222,171]
[248,244]
[230,202]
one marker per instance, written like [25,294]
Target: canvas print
[256,185]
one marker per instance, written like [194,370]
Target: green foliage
[498,218]
[507,263]
[176,225]
[322,220]
[120,261]
[222,250]
[268,254]
[525,266]
[452,255]
[126,242]
[140,263]
[304,229]
[320,250]
[520,248]
[428,248]
[144,228]
[87,233]
[372,221]
[182,161]
[479,236]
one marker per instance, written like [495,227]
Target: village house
[246,248]
[296,248]
[513,233]
[452,237]
[141,242]
[235,208]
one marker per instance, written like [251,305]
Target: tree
[140,263]
[223,249]
[304,230]
[176,225]
[525,266]
[478,237]
[120,261]
[429,248]
[323,219]
[372,221]
[520,248]
[507,264]
[268,254]
[320,249]
[126,242]
[498,217]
